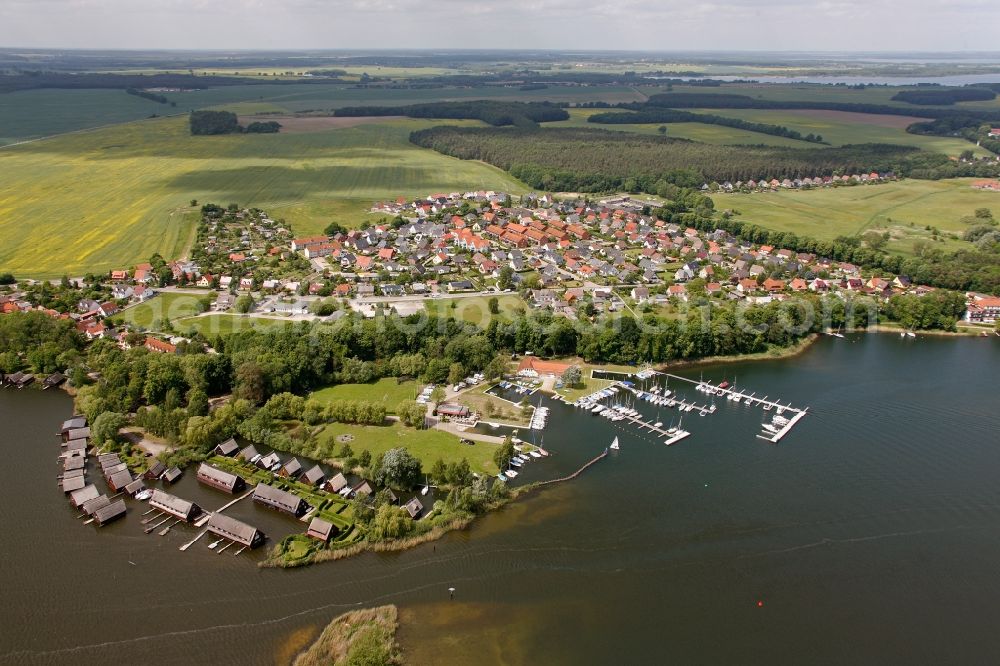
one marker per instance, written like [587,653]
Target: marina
[617,403]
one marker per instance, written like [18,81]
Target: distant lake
[950,80]
[869,535]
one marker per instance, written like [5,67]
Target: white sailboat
[614,444]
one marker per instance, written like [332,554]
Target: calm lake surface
[870,534]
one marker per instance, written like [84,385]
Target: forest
[494,113]
[945,96]
[595,160]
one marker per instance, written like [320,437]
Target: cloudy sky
[839,25]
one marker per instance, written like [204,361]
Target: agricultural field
[31,114]
[475,310]
[840,128]
[694,131]
[114,196]
[167,306]
[905,209]
[387,391]
[807,92]
[427,445]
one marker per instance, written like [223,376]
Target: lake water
[945,80]
[870,534]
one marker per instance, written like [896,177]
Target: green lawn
[476,309]
[214,325]
[167,305]
[427,445]
[115,196]
[386,390]
[904,209]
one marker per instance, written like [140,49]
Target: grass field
[475,310]
[166,306]
[839,128]
[115,196]
[214,325]
[828,213]
[427,445]
[387,391]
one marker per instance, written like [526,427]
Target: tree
[573,376]
[334,229]
[455,373]
[197,402]
[249,383]
[662,129]
[390,522]
[506,278]
[496,367]
[494,305]
[365,458]
[106,427]
[437,395]
[502,456]
[438,471]
[398,470]
[244,304]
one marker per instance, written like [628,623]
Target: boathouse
[321,529]
[337,483]
[362,488]
[113,468]
[270,460]
[79,497]
[112,511]
[174,506]
[314,476]
[76,444]
[135,487]
[220,480]
[248,454]
[222,525]
[279,499]
[71,483]
[227,448]
[155,470]
[76,433]
[413,507]
[119,480]
[73,424]
[291,469]
[74,462]
[172,475]
[90,507]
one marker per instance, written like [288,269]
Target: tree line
[153,97]
[944,96]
